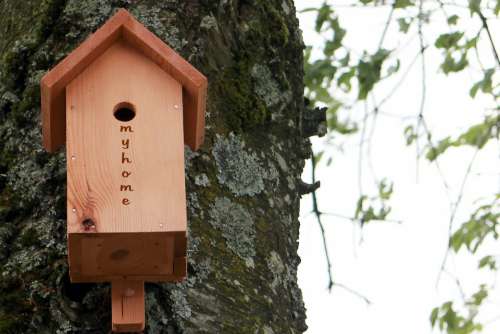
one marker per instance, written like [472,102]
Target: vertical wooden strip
[127,306]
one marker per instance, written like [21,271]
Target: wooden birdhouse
[124,103]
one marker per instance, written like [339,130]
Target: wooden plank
[128,255]
[104,257]
[90,257]
[76,278]
[125,176]
[127,306]
[180,266]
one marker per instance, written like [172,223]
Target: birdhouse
[124,103]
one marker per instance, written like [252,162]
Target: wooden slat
[90,257]
[127,306]
[75,278]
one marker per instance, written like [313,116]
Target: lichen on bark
[237,169]
[248,168]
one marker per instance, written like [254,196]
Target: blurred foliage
[342,79]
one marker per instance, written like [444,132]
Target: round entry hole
[124,112]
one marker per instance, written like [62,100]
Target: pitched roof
[121,26]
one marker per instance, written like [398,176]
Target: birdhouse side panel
[125,147]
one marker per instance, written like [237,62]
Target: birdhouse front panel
[125,162]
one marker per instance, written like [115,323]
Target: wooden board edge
[127,311]
[53,83]
[75,253]
[194,82]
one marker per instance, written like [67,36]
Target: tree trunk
[243,185]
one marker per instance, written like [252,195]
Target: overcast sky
[394,265]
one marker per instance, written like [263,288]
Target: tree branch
[486,27]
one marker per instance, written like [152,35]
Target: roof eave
[125,26]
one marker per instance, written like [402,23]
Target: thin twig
[423,81]
[454,212]
[386,27]
[357,219]
[401,80]
[360,154]
[317,213]
[354,292]
[436,162]
[486,27]
[458,284]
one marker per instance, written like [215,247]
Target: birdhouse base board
[106,257]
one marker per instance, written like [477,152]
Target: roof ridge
[124,26]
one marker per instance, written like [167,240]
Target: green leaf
[368,72]
[359,206]
[435,151]
[336,42]
[451,64]
[477,135]
[471,43]
[489,262]
[334,124]
[344,80]
[449,40]
[344,61]
[385,189]
[402,3]
[452,20]
[318,73]
[478,297]
[486,84]
[410,134]
[481,224]
[404,24]
[324,14]
[434,315]
[394,68]
[474,6]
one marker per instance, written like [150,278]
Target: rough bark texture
[243,185]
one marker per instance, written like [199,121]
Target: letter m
[127,128]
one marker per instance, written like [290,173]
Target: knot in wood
[88,224]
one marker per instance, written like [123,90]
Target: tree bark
[243,185]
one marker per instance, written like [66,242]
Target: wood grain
[122,26]
[149,149]
[127,305]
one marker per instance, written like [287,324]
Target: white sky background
[395,266]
